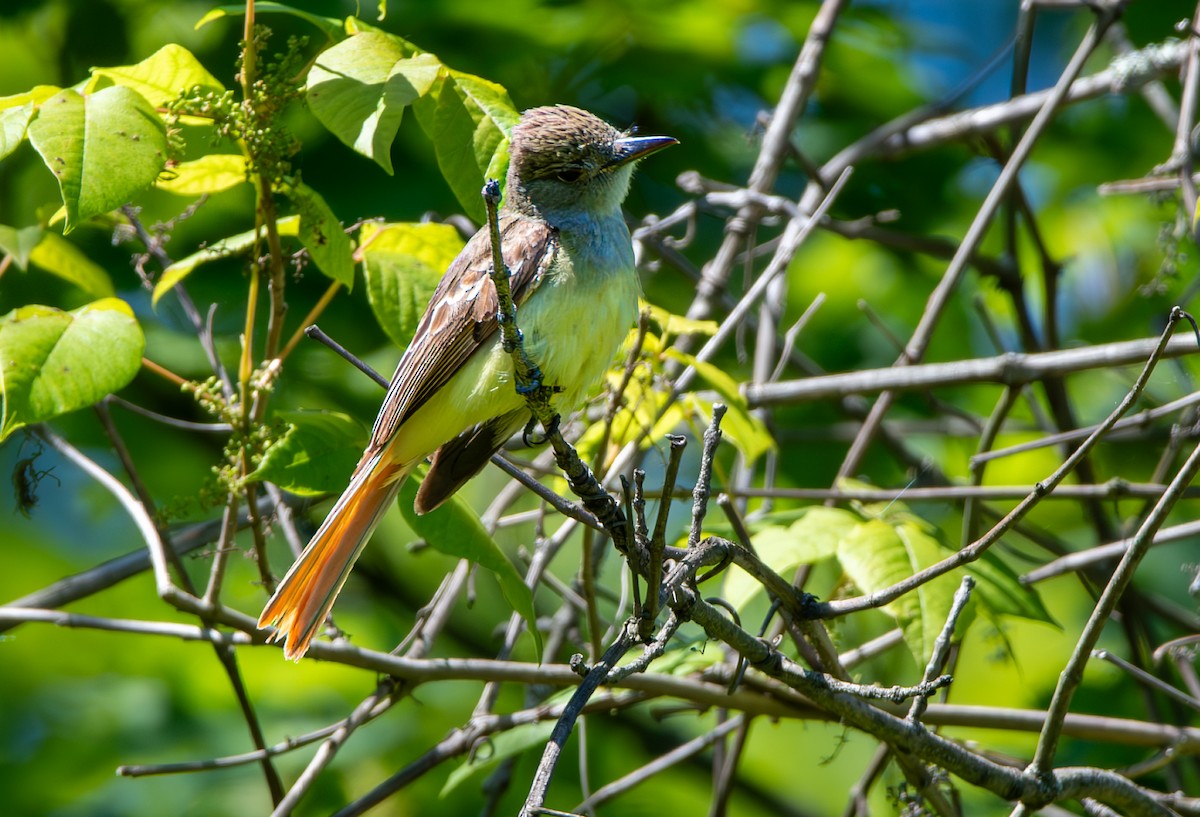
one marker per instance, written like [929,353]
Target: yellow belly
[573,327]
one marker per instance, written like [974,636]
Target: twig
[316,334]
[938,300]
[658,765]
[712,438]
[941,646]
[977,548]
[776,142]
[1008,369]
[527,374]
[1102,553]
[370,708]
[1147,679]
[657,541]
[562,729]
[1072,674]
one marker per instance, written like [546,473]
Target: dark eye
[570,175]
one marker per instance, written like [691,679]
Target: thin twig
[562,729]
[977,548]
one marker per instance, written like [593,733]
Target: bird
[453,397]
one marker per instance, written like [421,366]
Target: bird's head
[565,163]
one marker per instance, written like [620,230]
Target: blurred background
[76,704]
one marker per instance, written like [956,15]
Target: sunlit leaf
[224,248]
[469,125]
[875,557]
[162,76]
[208,174]
[103,148]
[37,95]
[672,324]
[454,529]
[315,456]
[53,362]
[16,111]
[403,264]
[360,87]
[748,433]
[998,590]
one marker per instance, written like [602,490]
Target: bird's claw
[530,440]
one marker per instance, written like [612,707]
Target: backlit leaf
[13,122]
[403,264]
[162,76]
[208,174]
[469,125]
[60,257]
[810,539]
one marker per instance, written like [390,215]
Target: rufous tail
[307,592]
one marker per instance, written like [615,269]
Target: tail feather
[304,597]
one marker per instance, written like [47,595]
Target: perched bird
[453,395]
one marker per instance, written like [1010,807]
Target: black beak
[631,148]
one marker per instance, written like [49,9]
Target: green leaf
[162,76]
[998,590]
[811,538]
[359,88]
[224,248]
[37,95]
[19,243]
[501,747]
[13,123]
[315,456]
[673,324]
[103,148]
[15,113]
[455,529]
[208,174]
[323,236]
[875,556]
[60,257]
[330,25]
[878,554]
[469,126]
[748,433]
[53,362]
[403,264]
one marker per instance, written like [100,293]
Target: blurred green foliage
[75,704]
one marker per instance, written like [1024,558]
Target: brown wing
[461,316]
[464,457]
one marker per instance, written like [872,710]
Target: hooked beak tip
[631,148]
